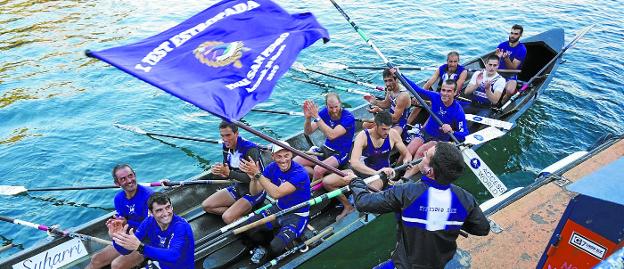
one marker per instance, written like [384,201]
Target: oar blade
[489,121]
[483,136]
[12,190]
[334,66]
[491,182]
[133,129]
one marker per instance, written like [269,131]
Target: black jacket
[429,217]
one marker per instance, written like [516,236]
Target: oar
[489,121]
[290,113]
[325,85]
[539,73]
[302,68]
[311,202]
[15,190]
[56,231]
[478,167]
[302,246]
[138,130]
[416,68]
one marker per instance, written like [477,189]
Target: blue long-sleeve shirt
[135,208]
[173,248]
[452,115]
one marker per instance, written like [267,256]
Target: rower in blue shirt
[169,238]
[288,182]
[338,126]
[131,208]
[450,70]
[512,54]
[450,113]
[370,156]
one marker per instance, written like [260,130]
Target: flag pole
[288,147]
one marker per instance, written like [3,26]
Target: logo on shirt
[442,112]
[131,209]
[234,159]
[162,240]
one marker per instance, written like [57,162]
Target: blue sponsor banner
[225,59]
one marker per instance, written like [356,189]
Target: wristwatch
[317,119]
[141,248]
[257,176]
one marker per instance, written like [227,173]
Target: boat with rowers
[233,252]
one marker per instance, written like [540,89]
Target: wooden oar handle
[255,224]
[322,234]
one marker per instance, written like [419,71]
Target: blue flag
[225,59]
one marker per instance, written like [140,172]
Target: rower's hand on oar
[388,171]
[375,109]
[249,167]
[446,128]
[165,184]
[349,177]
[127,240]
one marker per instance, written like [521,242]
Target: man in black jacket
[236,200]
[430,212]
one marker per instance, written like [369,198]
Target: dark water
[57,106]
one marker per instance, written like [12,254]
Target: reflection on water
[57,106]
[17,135]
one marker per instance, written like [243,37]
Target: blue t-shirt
[518,52]
[341,144]
[298,177]
[133,209]
[173,248]
[444,75]
[452,115]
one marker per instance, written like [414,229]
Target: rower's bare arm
[432,80]
[274,191]
[462,78]
[512,64]
[356,154]
[403,103]
[470,89]
[255,187]
[398,143]
[385,103]
[493,96]
[309,127]
[331,133]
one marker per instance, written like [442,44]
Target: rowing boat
[232,252]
